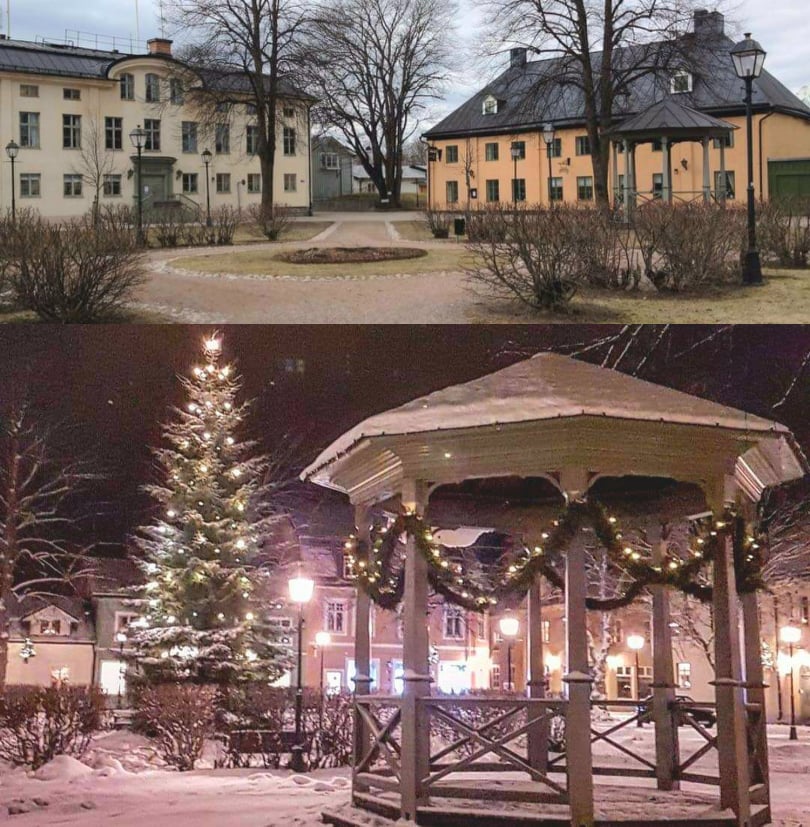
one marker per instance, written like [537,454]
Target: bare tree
[246,52]
[374,67]
[36,556]
[95,163]
[597,53]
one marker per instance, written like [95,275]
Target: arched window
[127,82]
[152,88]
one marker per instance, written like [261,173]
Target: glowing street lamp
[791,635]
[509,626]
[301,589]
[636,643]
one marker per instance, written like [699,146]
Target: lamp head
[548,132]
[790,634]
[509,626]
[121,637]
[138,137]
[206,156]
[12,149]
[635,642]
[748,58]
[301,589]
[322,639]
[515,151]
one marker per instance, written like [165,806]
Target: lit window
[336,616]
[453,622]
[684,676]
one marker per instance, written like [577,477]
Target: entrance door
[154,187]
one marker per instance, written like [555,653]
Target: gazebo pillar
[667,756]
[707,181]
[629,177]
[732,744]
[666,172]
[579,759]
[614,145]
[415,656]
[362,639]
[723,173]
[537,735]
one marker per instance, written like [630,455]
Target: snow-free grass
[263,262]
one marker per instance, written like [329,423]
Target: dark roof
[535,92]
[330,143]
[23,607]
[672,119]
[237,83]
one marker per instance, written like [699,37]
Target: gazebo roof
[672,119]
[548,412]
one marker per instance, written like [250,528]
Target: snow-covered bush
[330,720]
[180,717]
[38,723]
[783,231]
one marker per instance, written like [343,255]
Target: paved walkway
[403,299]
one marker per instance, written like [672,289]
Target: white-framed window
[72,185]
[495,677]
[348,574]
[329,160]
[29,90]
[480,628]
[584,188]
[490,105]
[452,191]
[684,675]
[223,181]
[222,139]
[190,183]
[582,145]
[188,136]
[30,185]
[289,140]
[71,131]
[127,82]
[176,92]
[252,139]
[451,154]
[112,677]
[123,620]
[680,82]
[726,141]
[50,627]
[112,185]
[72,94]
[152,128]
[113,133]
[254,182]
[290,182]
[335,617]
[152,89]
[453,622]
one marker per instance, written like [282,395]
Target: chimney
[517,58]
[708,22]
[159,46]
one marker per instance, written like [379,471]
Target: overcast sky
[782,26]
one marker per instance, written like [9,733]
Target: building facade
[472,162]
[71,110]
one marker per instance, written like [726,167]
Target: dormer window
[680,82]
[490,105]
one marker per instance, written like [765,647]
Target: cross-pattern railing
[686,713]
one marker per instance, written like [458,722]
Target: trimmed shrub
[438,222]
[783,231]
[225,219]
[37,723]
[180,717]
[272,221]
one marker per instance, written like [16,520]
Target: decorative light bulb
[203,468]
[229,440]
[206,435]
[192,407]
[249,616]
[237,472]
[171,513]
[227,406]
[240,543]
[220,616]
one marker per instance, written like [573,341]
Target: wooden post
[667,756]
[537,750]
[666,177]
[415,722]
[732,744]
[614,146]
[723,187]
[707,182]
[362,644]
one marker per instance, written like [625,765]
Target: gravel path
[405,299]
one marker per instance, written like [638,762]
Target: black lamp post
[791,635]
[11,150]
[748,57]
[636,643]
[206,159]
[138,138]
[301,589]
[509,627]
[548,137]
[515,150]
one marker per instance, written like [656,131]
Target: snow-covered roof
[553,387]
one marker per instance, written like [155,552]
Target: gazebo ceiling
[552,412]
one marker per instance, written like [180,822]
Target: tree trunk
[10,552]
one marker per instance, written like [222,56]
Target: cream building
[71,111]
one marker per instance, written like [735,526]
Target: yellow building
[472,160]
[71,110]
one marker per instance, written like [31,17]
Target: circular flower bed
[349,255]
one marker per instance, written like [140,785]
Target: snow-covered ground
[121,782]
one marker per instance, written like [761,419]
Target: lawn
[263,263]
[295,231]
[413,230]
[136,316]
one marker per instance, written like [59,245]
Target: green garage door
[789,177]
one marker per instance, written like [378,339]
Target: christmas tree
[203,618]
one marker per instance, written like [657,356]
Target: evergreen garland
[377,571]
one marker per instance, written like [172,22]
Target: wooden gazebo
[670,122]
[571,423]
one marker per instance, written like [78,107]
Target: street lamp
[121,637]
[206,159]
[516,152]
[509,628]
[548,137]
[791,635]
[322,640]
[748,57]
[138,138]
[636,643]
[301,589]
[11,150]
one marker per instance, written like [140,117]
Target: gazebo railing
[378,762]
[685,712]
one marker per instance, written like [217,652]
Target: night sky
[109,387]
